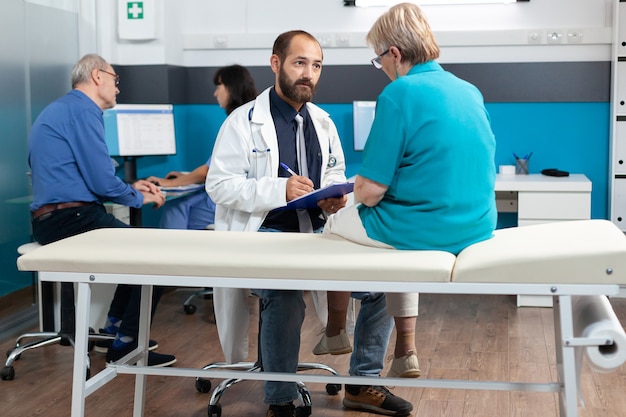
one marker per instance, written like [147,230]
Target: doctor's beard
[292,91]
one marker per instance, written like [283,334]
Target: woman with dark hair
[234,86]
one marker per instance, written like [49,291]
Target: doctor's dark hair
[405,27]
[83,68]
[239,83]
[283,41]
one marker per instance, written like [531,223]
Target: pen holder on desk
[521,166]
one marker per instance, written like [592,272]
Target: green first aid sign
[134,10]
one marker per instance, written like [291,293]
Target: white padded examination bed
[578,258]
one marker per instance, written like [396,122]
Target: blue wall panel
[570,136]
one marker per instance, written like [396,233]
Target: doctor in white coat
[244,178]
[243,181]
[247,182]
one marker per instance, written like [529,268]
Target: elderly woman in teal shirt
[428,172]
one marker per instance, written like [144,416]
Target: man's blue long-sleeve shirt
[69,158]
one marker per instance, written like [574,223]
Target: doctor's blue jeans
[282,315]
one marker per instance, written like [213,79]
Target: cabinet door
[618,210]
[620,96]
[554,206]
[619,146]
[621,29]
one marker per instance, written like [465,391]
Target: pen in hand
[289,170]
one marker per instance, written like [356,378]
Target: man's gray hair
[83,68]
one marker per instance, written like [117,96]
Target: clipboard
[310,200]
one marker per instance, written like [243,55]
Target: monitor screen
[363,115]
[140,129]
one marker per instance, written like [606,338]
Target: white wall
[220,32]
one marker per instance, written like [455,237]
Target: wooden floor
[459,337]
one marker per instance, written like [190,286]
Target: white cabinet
[540,199]
[617,164]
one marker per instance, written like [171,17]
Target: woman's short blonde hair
[405,27]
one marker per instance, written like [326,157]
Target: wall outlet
[343,40]
[554,36]
[220,41]
[535,37]
[574,36]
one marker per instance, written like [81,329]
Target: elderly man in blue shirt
[73,176]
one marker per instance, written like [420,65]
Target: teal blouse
[432,144]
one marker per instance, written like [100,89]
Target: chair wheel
[7,373]
[189,308]
[333,389]
[203,385]
[215,410]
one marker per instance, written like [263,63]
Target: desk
[537,198]
[540,199]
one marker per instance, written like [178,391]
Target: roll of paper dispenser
[594,318]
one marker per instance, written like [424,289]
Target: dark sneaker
[102,346]
[288,410]
[375,399]
[157,360]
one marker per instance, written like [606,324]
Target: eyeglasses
[117,77]
[376,61]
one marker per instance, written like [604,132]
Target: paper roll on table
[594,318]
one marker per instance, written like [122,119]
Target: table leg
[564,329]
[80,349]
[142,340]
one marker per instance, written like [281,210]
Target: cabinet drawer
[554,206]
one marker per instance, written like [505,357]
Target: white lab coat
[244,184]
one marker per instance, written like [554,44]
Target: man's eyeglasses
[117,77]
[376,61]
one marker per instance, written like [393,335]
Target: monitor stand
[130,176]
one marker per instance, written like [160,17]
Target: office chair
[214,409]
[64,337]
[191,308]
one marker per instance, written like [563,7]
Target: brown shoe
[376,399]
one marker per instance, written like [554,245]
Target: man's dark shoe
[375,399]
[157,360]
[288,410]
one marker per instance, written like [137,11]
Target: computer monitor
[140,130]
[363,116]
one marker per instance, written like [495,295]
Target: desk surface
[532,182]
[539,182]
[170,194]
